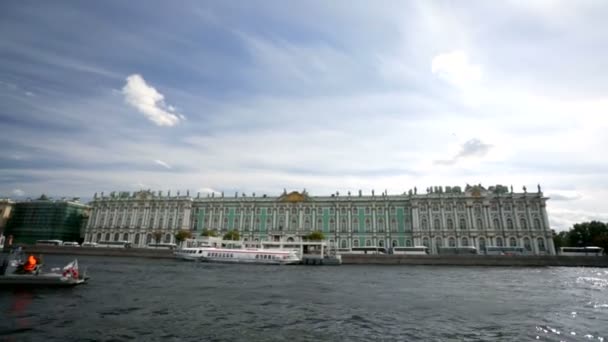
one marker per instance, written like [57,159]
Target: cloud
[162,163]
[471,148]
[564,219]
[454,67]
[564,195]
[18,192]
[148,101]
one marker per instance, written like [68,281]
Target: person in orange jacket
[30,264]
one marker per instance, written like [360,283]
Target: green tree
[182,235]
[209,232]
[232,235]
[157,235]
[317,235]
[586,233]
[560,239]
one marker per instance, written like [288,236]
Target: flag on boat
[71,270]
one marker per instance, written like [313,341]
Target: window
[499,242]
[437,224]
[395,243]
[408,243]
[344,227]
[496,223]
[465,242]
[512,242]
[482,243]
[125,237]
[393,225]
[116,237]
[452,242]
[423,224]
[479,223]
[541,244]
[527,244]
[438,243]
[450,223]
[523,223]
[355,243]
[368,243]
[537,224]
[425,242]
[462,224]
[343,244]
[381,226]
[509,223]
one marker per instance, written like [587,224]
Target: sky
[327,96]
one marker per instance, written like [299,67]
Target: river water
[167,300]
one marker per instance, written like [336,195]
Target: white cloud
[564,195]
[564,219]
[148,101]
[471,148]
[18,192]
[162,163]
[455,68]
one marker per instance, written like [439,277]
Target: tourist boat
[237,255]
[12,274]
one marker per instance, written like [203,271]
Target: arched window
[509,223]
[356,243]
[98,237]
[541,244]
[408,243]
[343,244]
[450,223]
[355,225]
[512,242]
[381,226]
[167,238]
[136,242]
[499,242]
[368,225]
[125,236]
[496,223]
[465,242]
[479,223]
[332,225]
[436,224]
[536,223]
[368,243]
[482,244]
[380,243]
[116,237]
[393,225]
[438,243]
[523,223]
[395,243]
[148,239]
[343,226]
[423,225]
[527,244]
[462,224]
[425,242]
[452,242]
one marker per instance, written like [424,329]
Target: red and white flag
[71,270]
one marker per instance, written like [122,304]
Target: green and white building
[449,217]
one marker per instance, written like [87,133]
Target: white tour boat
[238,255]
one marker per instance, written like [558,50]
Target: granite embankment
[360,259]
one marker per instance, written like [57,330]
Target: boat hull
[39,281]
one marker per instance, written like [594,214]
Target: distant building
[6,207]
[45,219]
[451,217]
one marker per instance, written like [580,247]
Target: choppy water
[165,300]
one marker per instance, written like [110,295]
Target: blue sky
[327,96]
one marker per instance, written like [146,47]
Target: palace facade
[449,217]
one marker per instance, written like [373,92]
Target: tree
[317,235]
[209,232]
[560,239]
[232,235]
[584,234]
[157,235]
[182,235]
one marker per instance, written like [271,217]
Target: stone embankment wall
[476,260]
